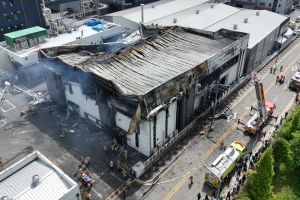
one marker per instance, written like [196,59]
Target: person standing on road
[271,69]
[286,114]
[281,119]
[277,127]
[213,194]
[191,179]
[274,70]
[199,196]
[206,197]
[228,179]
[124,194]
[281,68]
[111,165]
[228,195]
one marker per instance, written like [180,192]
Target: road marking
[234,115]
[113,174]
[285,88]
[227,132]
[3,122]
[13,106]
[294,68]
[98,193]
[274,99]
[246,108]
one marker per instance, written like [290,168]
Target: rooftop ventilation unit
[153,6]
[246,20]
[235,26]
[175,20]
[197,11]
[212,6]
[35,180]
[257,13]
[4,198]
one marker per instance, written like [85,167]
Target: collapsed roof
[165,53]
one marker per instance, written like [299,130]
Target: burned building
[149,91]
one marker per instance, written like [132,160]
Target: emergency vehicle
[292,25]
[224,164]
[264,108]
[295,82]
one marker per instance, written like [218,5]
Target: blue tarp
[98,27]
[93,22]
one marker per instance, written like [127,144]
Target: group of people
[274,69]
[280,79]
[86,179]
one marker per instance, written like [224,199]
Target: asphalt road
[174,184]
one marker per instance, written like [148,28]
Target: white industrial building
[150,91]
[36,177]
[22,54]
[277,6]
[263,26]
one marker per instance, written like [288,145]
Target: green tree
[282,154]
[261,179]
[295,147]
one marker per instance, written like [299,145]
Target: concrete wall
[127,25]
[24,60]
[86,104]
[98,38]
[6,63]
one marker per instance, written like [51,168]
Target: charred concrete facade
[148,92]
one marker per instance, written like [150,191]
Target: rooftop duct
[35,180]
[197,11]
[235,26]
[153,6]
[212,6]
[142,12]
[175,20]
[246,20]
[257,13]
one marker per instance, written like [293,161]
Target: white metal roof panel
[19,184]
[159,11]
[257,26]
[205,18]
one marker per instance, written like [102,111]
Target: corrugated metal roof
[19,184]
[159,11]
[257,26]
[151,63]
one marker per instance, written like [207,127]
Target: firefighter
[111,165]
[125,155]
[77,169]
[90,183]
[89,175]
[281,68]
[80,171]
[274,70]
[105,149]
[271,69]
[128,182]
[118,165]
[191,179]
[222,144]
[87,195]
[124,172]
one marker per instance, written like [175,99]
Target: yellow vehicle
[292,25]
[297,19]
[224,164]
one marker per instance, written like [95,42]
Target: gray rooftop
[16,181]
[138,70]
[159,10]
[258,26]
[206,17]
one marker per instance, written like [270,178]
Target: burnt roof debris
[162,55]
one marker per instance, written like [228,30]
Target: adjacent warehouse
[264,27]
[36,177]
[148,92]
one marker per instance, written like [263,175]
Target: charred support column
[214,109]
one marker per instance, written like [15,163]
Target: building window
[8,18]
[270,4]
[279,5]
[15,16]
[3,4]
[11,2]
